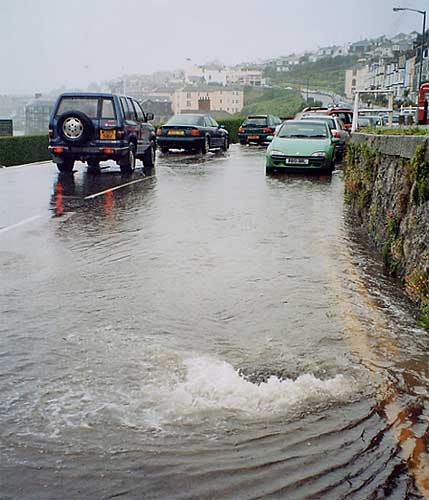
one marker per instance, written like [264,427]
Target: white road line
[18,224]
[91,196]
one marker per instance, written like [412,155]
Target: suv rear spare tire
[74,127]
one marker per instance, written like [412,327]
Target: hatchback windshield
[304,130]
[87,105]
[256,120]
[186,120]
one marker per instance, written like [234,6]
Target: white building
[356,78]
[221,75]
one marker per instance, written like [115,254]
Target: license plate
[297,161]
[108,134]
[176,132]
[253,137]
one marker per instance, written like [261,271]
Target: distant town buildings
[389,64]
[229,101]
[216,73]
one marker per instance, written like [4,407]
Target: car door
[132,129]
[217,132]
[145,128]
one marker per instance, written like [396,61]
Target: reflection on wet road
[202,332]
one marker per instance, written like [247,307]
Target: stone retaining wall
[387,189]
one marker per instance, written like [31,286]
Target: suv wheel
[74,127]
[66,167]
[149,157]
[128,164]
[225,144]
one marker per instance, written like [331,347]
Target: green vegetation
[359,169]
[231,125]
[396,131]
[418,171]
[280,102]
[25,149]
[326,74]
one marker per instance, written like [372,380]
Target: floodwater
[207,332]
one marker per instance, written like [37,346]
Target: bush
[23,149]
[232,125]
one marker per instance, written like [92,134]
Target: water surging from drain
[214,385]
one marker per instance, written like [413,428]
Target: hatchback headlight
[274,152]
[320,154]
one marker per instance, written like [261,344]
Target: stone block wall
[387,190]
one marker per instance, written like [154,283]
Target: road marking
[91,196]
[18,224]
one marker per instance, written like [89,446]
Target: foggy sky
[49,43]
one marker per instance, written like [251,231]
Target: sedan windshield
[186,120]
[329,121]
[304,131]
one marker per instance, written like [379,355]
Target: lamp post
[423,12]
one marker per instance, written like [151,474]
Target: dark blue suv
[94,127]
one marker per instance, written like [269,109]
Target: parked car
[94,127]
[345,115]
[192,132]
[258,128]
[337,129]
[370,121]
[303,145]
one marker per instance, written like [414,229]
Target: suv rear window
[87,105]
[107,109]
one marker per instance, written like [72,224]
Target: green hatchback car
[302,145]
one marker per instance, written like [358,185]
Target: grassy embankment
[327,74]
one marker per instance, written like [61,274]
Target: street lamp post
[423,13]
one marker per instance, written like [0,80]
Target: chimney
[204,103]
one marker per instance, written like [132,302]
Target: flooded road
[206,332]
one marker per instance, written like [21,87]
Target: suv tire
[74,127]
[128,164]
[225,144]
[66,166]
[149,157]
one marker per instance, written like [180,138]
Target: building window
[354,82]
[188,104]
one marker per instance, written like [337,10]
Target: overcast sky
[49,43]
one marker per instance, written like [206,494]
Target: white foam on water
[211,384]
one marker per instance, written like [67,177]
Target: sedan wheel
[206,145]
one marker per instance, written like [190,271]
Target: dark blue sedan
[192,132]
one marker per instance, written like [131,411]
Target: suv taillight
[268,130]
[159,131]
[120,134]
[195,132]
[241,130]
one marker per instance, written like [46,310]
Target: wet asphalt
[202,331]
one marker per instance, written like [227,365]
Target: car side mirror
[270,137]
[149,116]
